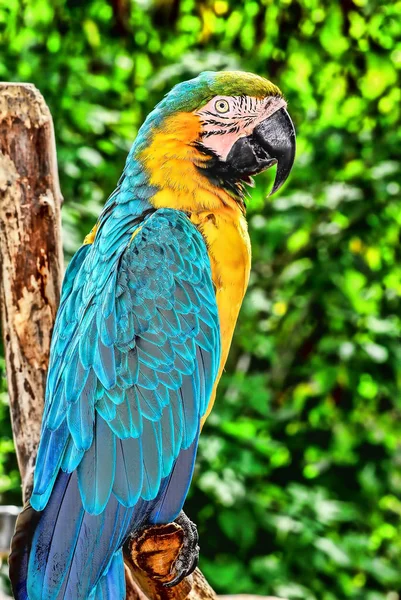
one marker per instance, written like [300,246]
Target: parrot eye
[222,106]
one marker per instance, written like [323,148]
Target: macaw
[147,313]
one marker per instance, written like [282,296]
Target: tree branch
[30,257]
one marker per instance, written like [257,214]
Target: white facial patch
[225,119]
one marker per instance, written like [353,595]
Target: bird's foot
[188,557]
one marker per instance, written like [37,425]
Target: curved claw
[195,561]
[188,558]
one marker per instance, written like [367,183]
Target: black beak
[271,142]
[276,135]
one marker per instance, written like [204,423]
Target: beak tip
[272,191]
[281,129]
[278,184]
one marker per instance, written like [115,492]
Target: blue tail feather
[64,552]
[112,585]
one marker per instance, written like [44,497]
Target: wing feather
[135,353]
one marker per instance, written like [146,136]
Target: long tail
[112,584]
[65,553]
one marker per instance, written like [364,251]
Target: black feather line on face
[212,114]
[233,129]
[206,134]
[220,175]
[244,110]
[215,122]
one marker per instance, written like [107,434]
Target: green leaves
[298,481]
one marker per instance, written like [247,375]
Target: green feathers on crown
[239,83]
[192,94]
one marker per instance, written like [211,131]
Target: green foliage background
[297,491]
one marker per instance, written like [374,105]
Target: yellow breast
[227,239]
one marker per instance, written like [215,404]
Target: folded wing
[135,354]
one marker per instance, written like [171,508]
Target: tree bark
[30,257]
[31,264]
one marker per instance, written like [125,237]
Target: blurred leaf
[297,485]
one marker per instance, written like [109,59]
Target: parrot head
[221,127]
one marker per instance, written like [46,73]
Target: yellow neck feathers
[171,161]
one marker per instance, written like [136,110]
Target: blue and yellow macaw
[148,309]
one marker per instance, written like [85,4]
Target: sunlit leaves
[298,481]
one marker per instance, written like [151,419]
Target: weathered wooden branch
[31,273]
[150,557]
[30,257]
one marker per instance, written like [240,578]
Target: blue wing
[135,353]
